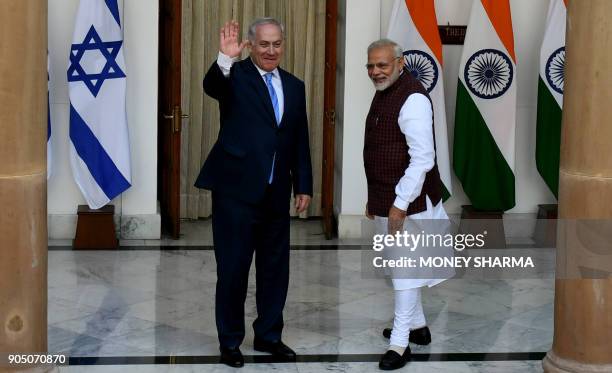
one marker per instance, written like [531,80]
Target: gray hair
[264,21]
[384,43]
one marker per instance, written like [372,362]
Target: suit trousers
[240,230]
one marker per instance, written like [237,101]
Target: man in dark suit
[262,151]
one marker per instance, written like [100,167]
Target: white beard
[387,83]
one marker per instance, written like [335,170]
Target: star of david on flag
[108,50]
[99,151]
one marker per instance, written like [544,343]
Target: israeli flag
[99,151]
[49,152]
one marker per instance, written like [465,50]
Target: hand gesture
[228,40]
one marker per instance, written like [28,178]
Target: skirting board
[128,227]
[516,225]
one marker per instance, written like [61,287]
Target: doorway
[184,142]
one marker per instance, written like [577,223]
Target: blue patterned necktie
[274,99]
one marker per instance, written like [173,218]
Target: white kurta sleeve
[415,121]
[225,63]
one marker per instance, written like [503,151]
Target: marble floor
[413,367]
[143,301]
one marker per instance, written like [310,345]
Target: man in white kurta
[415,121]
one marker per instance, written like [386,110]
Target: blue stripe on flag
[100,165]
[48,118]
[114,9]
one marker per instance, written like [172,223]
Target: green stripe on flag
[485,175]
[548,137]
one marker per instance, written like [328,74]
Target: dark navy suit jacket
[240,161]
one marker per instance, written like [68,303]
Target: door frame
[169,115]
[330,226]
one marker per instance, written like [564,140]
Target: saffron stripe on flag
[501,18]
[422,12]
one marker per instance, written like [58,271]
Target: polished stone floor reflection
[413,367]
[161,302]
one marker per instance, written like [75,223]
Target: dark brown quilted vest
[385,152]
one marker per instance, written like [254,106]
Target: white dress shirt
[225,63]
[415,122]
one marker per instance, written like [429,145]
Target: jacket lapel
[286,95]
[258,83]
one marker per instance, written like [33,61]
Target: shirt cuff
[401,203]
[225,61]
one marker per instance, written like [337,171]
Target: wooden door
[169,115]
[329,120]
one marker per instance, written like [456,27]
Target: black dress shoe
[420,336]
[387,332]
[277,349]
[391,360]
[232,357]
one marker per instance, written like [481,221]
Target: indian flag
[550,95]
[483,151]
[414,26]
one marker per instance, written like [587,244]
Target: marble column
[23,188]
[583,289]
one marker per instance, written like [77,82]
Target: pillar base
[555,364]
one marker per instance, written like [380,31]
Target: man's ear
[402,62]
